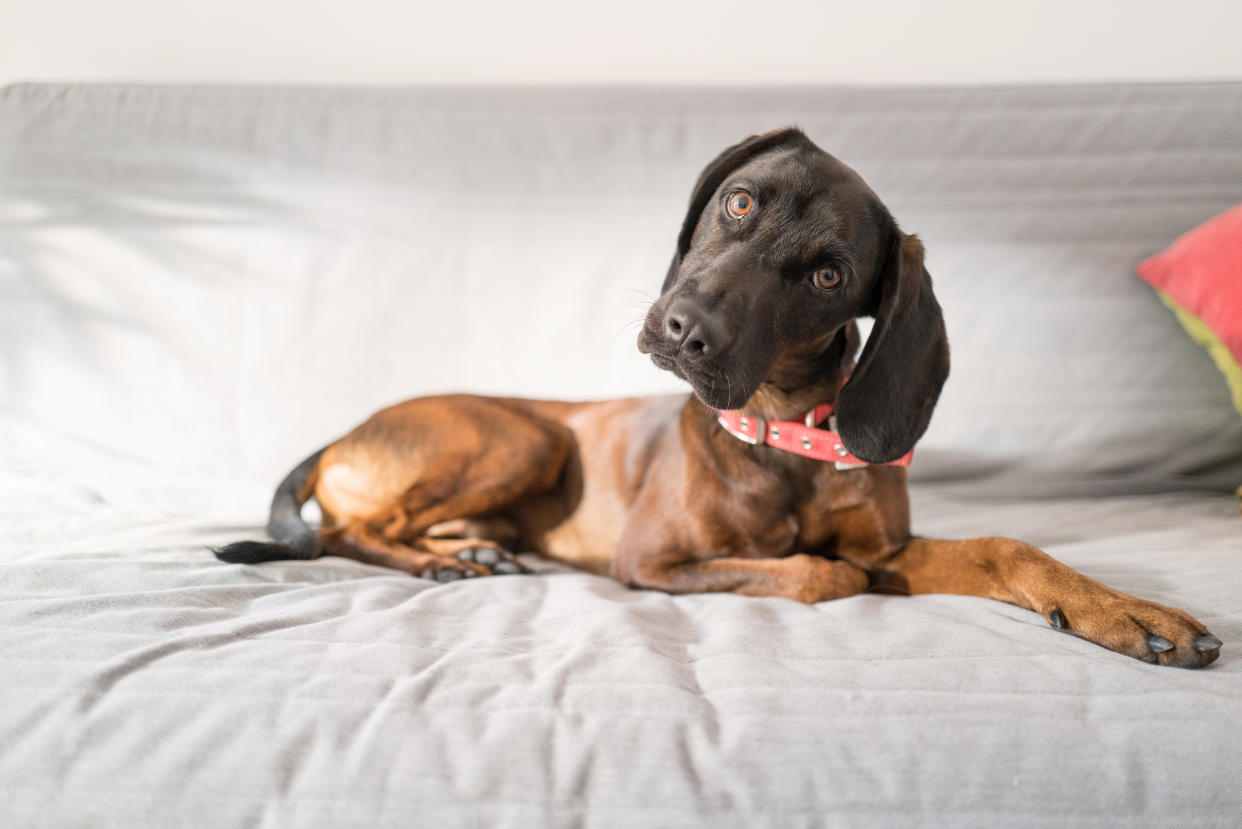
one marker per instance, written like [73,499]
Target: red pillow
[1199,276]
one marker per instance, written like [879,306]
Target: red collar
[800,438]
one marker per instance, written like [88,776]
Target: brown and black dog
[782,248]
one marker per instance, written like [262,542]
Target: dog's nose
[694,332]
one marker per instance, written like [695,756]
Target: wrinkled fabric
[144,683]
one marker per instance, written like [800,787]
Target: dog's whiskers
[630,326]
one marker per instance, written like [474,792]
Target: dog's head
[783,246]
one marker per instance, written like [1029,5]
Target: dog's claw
[447,575]
[1206,642]
[1158,643]
[509,567]
[1057,619]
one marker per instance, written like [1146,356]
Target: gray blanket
[145,684]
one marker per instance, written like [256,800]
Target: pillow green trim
[1201,334]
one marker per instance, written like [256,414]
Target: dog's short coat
[781,249]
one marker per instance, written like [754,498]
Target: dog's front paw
[1145,630]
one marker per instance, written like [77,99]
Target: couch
[201,285]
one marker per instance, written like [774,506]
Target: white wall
[620,41]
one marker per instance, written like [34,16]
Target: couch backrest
[219,280]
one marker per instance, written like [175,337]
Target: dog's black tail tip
[253,552]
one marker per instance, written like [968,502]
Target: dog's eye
[826,278]
[739,204]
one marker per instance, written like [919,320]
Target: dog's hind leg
[430,558]
[500,530]
[457,479]
[415,533]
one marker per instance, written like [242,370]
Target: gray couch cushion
[218,280]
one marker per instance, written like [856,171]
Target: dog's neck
[801,381]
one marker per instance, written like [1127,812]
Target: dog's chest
[823,505]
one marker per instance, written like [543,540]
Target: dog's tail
[291,537]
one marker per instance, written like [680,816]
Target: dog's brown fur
[654,493]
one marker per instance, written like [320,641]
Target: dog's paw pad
[445,573]
[487,556]
[500,562]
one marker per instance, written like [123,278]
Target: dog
[738,487]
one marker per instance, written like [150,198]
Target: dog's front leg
[1014,572]
[802,577]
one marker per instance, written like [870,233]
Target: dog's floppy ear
[886,405]
[712,177]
